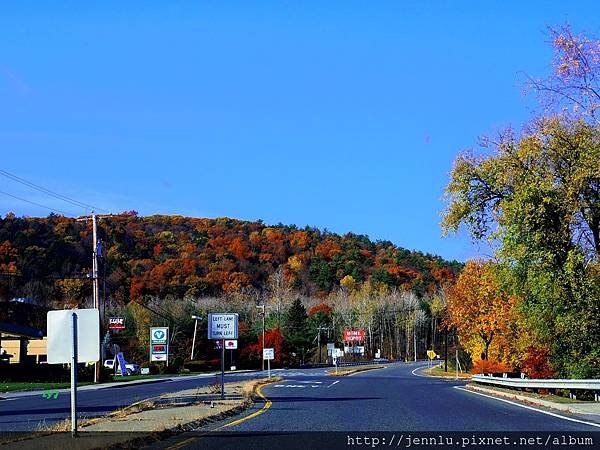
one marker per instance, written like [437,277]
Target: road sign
[431,354]
[231,344]
[354,335]
[116,323]
[330,348]
[268,353]
[159,344]
[222,326]
[88,335]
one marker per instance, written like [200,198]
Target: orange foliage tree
[478,308]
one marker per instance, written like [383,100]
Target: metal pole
[415,340]
[319,343]
[74,375]
[446,350]
[263,334]
[269,365]
[194,339]
[222,369]
[96,293]
[457,364]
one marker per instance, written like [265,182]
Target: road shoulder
[144,424]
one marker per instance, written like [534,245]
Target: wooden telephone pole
[95,290]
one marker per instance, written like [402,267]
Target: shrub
[176,365]
[196,366]
[537,363]
[490,366]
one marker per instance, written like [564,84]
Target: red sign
[161,348]
[354,335]
[116,323]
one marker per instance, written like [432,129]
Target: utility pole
[318,338]
[415,340]
[95,286]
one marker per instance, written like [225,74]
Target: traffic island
[438,372]
[345,371]
[150,420]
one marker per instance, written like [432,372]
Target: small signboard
[159,344]
[222,326]
[231,344]
[330,349]
[116,323]
[357,349]
[268,353]
[431,354]
[354,335]
[60,344]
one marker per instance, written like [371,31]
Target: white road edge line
[417,375]
[335,382]
[592,424]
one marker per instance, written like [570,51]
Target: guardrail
[548,384]
[361,363]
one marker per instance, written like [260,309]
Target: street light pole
[262,307]
[196,319]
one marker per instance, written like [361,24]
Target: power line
[37,204]
[49,192]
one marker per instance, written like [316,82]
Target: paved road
[384,400]
[27,411]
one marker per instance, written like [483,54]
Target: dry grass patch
[345,371]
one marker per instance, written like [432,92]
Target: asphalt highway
[385,400]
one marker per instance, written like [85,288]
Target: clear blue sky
[341,115]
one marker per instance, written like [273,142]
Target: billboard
[354,335]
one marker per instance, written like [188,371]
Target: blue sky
[341,115]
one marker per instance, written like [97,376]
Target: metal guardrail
[361,363]
[536,384]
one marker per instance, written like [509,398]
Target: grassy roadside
[439,372]
[14,386]
[548,397]
[345,371]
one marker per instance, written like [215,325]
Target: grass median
[345,371]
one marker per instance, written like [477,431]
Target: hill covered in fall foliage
[49,259]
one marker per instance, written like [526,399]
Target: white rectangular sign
[60,344]
[222,326]
[268,353]
[230,344]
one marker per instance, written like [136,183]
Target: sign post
[74,375]
[222,326]
[431,355]
[84,345]
[269,354]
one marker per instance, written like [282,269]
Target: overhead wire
[37,204]
[46,191]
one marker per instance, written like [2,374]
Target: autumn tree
[478,308]
[536,197]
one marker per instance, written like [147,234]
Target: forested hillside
[49,259]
